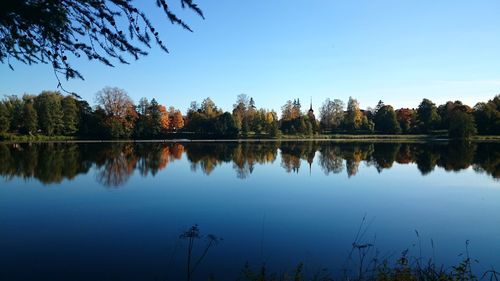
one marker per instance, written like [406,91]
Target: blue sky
[399,51]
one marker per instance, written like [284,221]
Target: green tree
[225,125]
[14,106]
[4,118]
[445,111]
[87,120]
[30,117]
[487,116]
[427,116]
[50,114]
[461,123]
[385,120]
[70,115]
[155,126]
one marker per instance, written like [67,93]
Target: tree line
[115,116]
[115,163]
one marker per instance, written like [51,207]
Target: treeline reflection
[115,163]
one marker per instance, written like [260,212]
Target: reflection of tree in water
[47,162]
[119,161]
[487,159]
[384,155]
[426,156]
[152,158]
[293,152]
[247,155]
[116,165]
[456,156]
[116,162]
[354,154]
[177,150]
[405,154]
[330,159]
[207,156]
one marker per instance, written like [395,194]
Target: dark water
[115,211]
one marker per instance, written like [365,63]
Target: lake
[116,211]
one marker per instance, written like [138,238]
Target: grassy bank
[252,137]
[33,138]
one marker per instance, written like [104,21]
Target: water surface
[114,211]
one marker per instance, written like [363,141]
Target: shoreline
[325,138]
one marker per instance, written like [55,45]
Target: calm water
[116,211]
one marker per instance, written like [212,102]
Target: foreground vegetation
[50,115]
[363,263]
[401,270]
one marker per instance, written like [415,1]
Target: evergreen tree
[155,125]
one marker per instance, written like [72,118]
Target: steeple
[311,107]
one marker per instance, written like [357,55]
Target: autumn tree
[241,113]
[405,117]
[201,118]
[209,108]
[353,117]
[292,119]
[177,120]
[57,32]
[287,111]
[165,118]
[114,101]
[119,112]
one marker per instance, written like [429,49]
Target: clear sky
[399,51]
